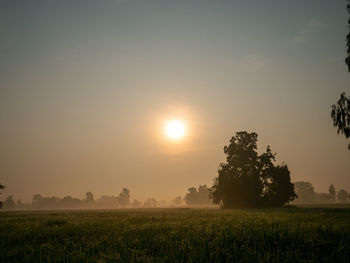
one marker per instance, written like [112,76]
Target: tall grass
[177,235]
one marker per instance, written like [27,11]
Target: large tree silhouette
[248,179]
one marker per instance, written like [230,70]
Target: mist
[88,87]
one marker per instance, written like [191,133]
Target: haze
[87,87]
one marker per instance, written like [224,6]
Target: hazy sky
[86,88]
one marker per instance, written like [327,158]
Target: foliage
[1,188]
[305,192]
[341,111]
[342,196]
[89,200]
[322,198]
[347,60]
[124,198]
[105,202]
[150,203]
[9,203]
[177,235]
[331,191]
[198,197]
[69,202]
[177,201]
[248,179]
[136,204]
[341,115]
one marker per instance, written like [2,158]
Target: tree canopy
[341,111]
[1,188]
[248,179]
[198,197]
[342,196]
[347,60]
[305,192]
[341,115]
[332,192]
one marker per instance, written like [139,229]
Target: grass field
[289,234]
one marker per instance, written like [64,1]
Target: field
[289,234]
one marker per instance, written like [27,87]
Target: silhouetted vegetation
[305,192]
[1,188]
[124,198]
[9,203]
[331,191]
[248,179]
[341,116]
[150,203]
[198,197]
[307,195]
[177,201]
[136,204]
[347,60]
[341,111]
[343,196]
[194,197]
[105,202]
[89,201]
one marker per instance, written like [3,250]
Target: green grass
[288,234]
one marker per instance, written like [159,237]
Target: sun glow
[175,129]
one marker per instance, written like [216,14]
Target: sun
[175,129]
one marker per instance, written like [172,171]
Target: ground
[288,234]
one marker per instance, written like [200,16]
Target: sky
[87,87]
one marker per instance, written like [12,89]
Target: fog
[87,89]
[194,197]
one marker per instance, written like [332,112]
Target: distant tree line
[40,202]
[194,197]
[307,195]
[198,197]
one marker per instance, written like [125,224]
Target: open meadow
[289,234]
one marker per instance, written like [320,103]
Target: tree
[177,201]
[279,188]
[136,204]
[1,188]
[305,192]
[36,201]
[199,197]
[89,200]
[331,191]
[341,115]
[69,202]
[124,198]
[347,60]
[342,196]
[341,111]
[106,201]
[248,179]
[150,203]
[9,203]
[322,198]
